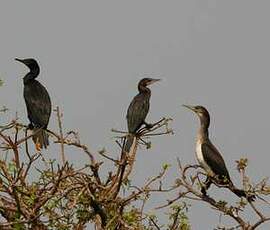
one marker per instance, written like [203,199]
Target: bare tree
[190,184]
[64,197]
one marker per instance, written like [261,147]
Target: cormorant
[38,103]
[210,158]
[138,109]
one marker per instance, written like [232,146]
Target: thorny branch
[65,196]
[189,183]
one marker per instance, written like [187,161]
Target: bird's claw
[30,126]
[203,191]
[149,126]
[251,198]
[38,146]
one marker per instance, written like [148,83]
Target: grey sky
[92,54]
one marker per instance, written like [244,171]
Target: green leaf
[166,166]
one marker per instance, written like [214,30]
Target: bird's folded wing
[137,112]
[214,160]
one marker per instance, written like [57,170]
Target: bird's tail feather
[239,192]
[40,138]
[128,144]
[242,193]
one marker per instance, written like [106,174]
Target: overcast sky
[93,53]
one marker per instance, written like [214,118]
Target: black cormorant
[210,158]
[138,109]
[38,103]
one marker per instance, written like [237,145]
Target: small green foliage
[18,226]
[242,203]
[102,151]
[152,216]
[132,218]
[84,212]
[12,167]
[126,185]
[51,204]
[148,145]
[52,161]
[221,180]
[265,190]
[166,166]
[178,182]
[178,216]
[31,199]
[242,164]
[222,203]
[84,215]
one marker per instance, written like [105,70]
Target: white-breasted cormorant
[210,158]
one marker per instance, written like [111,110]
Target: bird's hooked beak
[152,81]
[192,108]
[19,60]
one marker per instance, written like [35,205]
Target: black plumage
[210,158]
[38,103]
[139,108]
[215,161]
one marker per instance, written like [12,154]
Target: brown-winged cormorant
[210,158]
[38,103]
[138,109]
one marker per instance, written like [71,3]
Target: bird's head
[29,62]
[199,110]
[32,65]
[147,81]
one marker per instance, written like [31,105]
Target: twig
[61,135]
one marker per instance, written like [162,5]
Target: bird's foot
[203,191]
[148,126]
[30,126]
[251,198]
[38,146]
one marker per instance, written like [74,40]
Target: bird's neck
[202,134]
[31,75]
[203,130]
[144,89]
